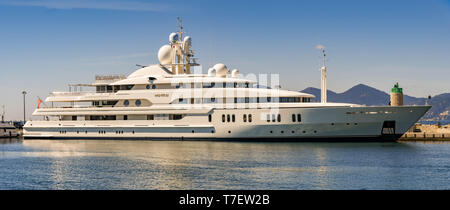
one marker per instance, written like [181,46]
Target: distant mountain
[363,94]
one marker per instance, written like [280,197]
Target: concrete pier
[427,133]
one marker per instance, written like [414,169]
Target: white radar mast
[323,71]
[177,54]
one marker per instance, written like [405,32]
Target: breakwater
[420,132]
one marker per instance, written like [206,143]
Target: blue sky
[47,44]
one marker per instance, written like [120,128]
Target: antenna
[180,27]
[142,66]
[3,113]
[323,70]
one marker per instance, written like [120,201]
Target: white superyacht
[167,102]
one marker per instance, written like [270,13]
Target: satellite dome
[173,37]
[235,73]
[211,72]
[187,40]
[221,70]
[165,55]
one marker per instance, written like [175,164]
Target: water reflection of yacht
[167,101]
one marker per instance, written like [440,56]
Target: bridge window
[209,85]
[176,116]
[101,117]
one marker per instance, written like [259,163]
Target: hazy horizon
[48,44]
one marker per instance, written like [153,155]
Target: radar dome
[165,55]
[235,73]
[187,40]
[211,72]
[173,37]
[221,70]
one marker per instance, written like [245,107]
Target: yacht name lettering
[162,95]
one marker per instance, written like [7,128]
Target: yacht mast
[323,80]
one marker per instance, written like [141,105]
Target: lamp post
[24,93]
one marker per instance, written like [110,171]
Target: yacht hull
[324,124]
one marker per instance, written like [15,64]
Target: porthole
[282,131]
[148,86]
[153,86]
[293,131]
[229,131]
[303,131]
[212,131]
[193,131]
[332,123]
[138,102]
[126,103]
[315,131]
[271,131]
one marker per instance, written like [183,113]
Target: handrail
[79,93]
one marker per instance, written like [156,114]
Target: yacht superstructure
[167,101]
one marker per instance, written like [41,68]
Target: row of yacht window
[225,117]
[242,100]
[125,117]
[138,102]
[115,88]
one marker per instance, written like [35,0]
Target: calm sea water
[92,164]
